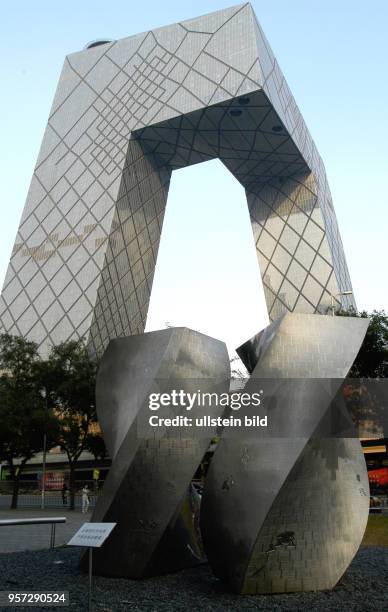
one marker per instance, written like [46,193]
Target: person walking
[85,499]
[64,494]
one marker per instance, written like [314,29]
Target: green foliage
[53,396]
[372,359]
[367,399]
[24,416]
[96,446]
[22,407]
[71,376]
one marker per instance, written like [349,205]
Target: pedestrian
[64,494]
[85,499]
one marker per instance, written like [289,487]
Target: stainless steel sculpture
[288,514]
[146,491]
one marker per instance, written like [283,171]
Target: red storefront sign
[54,480]
[379,477]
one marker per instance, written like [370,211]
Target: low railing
[50,520]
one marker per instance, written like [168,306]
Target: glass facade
[125,115]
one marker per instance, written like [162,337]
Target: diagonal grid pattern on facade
[124,116]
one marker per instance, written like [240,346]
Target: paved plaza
[17,538]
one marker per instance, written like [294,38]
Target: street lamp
[337,295]
[43,393]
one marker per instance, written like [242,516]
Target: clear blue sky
[334,54]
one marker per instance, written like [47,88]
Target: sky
[334,55]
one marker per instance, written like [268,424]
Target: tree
[23,411]
[372,358]
[72,375]
[367,399]
[96,445]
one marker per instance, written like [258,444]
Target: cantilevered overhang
[244,132]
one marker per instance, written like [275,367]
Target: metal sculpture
[288,514]
[147,491]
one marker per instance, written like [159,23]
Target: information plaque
[91,534]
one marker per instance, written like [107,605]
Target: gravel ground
[363,588]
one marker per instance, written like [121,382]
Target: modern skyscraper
[125,115]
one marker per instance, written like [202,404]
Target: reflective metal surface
[125,115]
[288,514]
[147,491]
